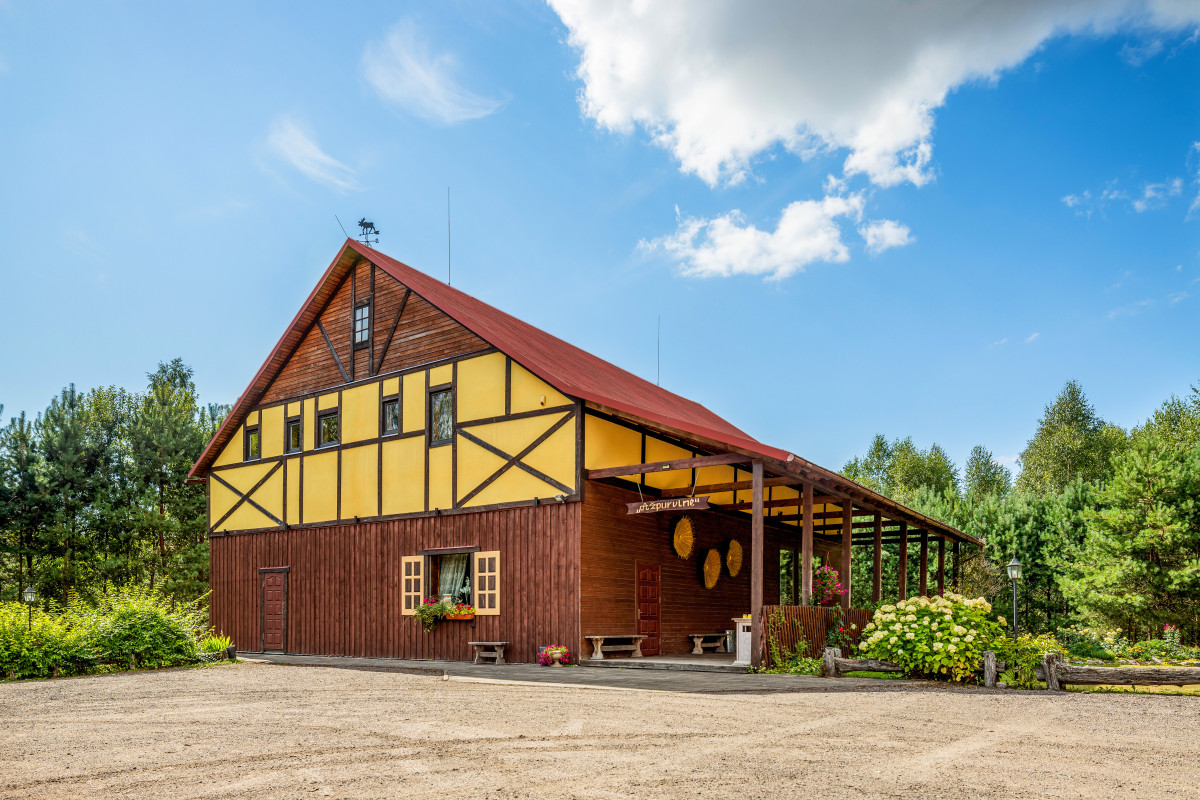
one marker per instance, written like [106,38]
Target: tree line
[92,490]
[1106,522]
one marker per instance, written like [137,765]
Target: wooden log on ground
[836,666]
[1050,665]
[1127,676]
[989,668]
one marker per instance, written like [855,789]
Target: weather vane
[367,230]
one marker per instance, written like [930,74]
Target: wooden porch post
[941,575]
[806,546]
[876,577]
[924,590]
[954,582]
[756,567]
[902,589]
[847,532]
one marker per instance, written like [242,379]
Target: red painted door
[648,607]
[274,611]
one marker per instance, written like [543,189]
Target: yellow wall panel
[360,414]
[480,387]
[308,423]
[658,450]
[609,445]
[293,491]
[244,478]
[475,465]
[554,457]
[512,436]
[709,475]
[327,401]
[220,500]
[252,418]
[247,518]
[270,495]
[391,386]
[404,476]
[272,432]
[320,487]
[232,454]
[414,402]
[441,478]
[360,481]
[440,375]
[528,391]
[293,409]
[515,484]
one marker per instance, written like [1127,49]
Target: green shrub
[941,635]
[1023,656]
[1084,643]
[138,628]
[47,646]
[215,644]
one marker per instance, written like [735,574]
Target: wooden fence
[787,626]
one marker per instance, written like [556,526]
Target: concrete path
[642,679]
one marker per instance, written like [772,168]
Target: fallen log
[1125,676]
[836,666]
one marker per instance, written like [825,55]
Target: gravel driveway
[261,730]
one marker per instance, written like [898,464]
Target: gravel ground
[260,730]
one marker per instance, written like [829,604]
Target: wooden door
[274,611]
[648,607]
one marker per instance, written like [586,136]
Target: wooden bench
[713,640]
[489,650]
[629,642]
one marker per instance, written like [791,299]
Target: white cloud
[1031,338]
[1194,160]
[807,232]
[1136,55]
[1178,297]
[722,82]
[405,73]
[1154,195]
[290,143]
[885,234]
[1000,342]
[1131,310]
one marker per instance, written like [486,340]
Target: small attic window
[253,445]
[362,325]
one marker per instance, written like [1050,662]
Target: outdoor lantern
[1014,574]
[1014,570]
[29,595]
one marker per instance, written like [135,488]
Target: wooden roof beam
[664,466]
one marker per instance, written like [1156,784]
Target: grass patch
[863,673]
[1186,691]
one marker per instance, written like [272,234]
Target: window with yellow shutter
[412,591]
[487,583]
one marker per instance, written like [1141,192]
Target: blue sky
[908,222]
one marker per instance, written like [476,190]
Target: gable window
[327,428]
[291,435]
[391,415]
[441,416]
[362,324]
[253,444]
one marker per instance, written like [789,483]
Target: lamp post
[30,596]
[1014,575]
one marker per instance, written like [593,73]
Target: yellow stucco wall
[400,473]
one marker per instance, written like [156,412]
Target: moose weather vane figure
[367,230]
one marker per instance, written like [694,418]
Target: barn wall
[344,584]
[613,542]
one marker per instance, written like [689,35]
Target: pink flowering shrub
[827,589]
[548,653]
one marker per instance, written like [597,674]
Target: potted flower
[827,590]
[461,611]
[554,655]
[430,611]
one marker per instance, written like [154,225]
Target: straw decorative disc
[733,558]
[712,569]
[684,537]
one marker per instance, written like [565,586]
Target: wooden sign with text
[670,504]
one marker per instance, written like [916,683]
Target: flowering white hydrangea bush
[945,635]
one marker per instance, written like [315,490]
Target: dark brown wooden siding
[344,584]
[424,334]
[613,542]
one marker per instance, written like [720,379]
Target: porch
[777,506]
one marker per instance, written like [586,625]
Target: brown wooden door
[648,606]
[274,611]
